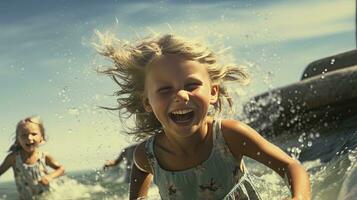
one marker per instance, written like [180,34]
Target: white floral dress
[27,177]
[219,177]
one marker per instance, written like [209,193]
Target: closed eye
[164,89]
[192,86]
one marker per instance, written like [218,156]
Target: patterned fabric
[207,180]
[27,177]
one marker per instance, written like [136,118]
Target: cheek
[160,104]
[157,101]
[202,96]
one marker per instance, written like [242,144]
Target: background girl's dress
[27,177]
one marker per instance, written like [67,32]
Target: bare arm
[58,170]
[112,163]
[243,140]
[8,162]
[141,174]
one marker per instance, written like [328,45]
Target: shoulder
[45,154]
[130,149]
[8,162]
[10,159]
[47,157]
[50,161]
[234,129]
[141,159]
[239,135]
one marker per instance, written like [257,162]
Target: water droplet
[332,61]
[73,111]
[301,139]
[258,153]
[349,168]
[309,143]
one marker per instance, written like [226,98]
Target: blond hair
[20,127]
[128,71]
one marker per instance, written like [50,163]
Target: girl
[28,162]
[126,157]
[170,84]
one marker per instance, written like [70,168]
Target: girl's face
[179,92]
[29,136]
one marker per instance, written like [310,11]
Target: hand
[45,180]
[108,163]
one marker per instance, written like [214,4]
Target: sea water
[329,155]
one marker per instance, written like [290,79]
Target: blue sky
[47,62]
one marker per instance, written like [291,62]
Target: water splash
[67,188]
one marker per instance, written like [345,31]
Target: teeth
[181,112]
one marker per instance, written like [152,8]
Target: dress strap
[216,128]
[149,149]
[41,157]
[18,159]
[42,161]
[217,132]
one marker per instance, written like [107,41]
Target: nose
[182,95]
[29,137]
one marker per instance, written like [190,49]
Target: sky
[47,60]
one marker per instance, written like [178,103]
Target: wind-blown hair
[128,71]
[20,126]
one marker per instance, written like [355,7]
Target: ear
[214,94]
[146,104]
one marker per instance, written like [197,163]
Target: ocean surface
[328,154]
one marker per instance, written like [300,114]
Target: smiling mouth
[30,145]
[182,116]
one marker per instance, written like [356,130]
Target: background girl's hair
[128,72]
[20,125]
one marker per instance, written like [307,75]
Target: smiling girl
[28,162]
[169,85]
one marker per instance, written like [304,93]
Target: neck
[190,145]
[27,155]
